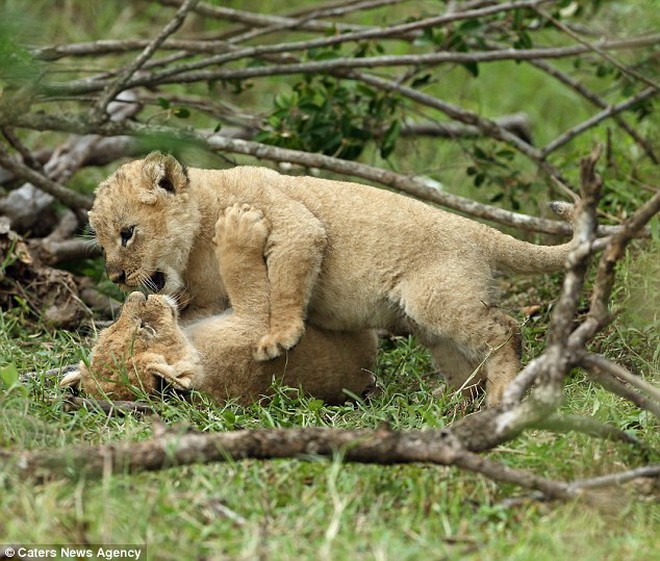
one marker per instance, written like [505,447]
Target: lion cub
[342,255]
[215,354]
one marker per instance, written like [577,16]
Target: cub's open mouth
[157,281]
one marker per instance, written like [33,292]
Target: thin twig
[326,66]
[567,423]
[119,84]
[261,19]
[585,92]
[595,120]
[17,144]
[590,360]
[597,49]
[110,408]
[369,34]
[488,126]
[652,470]
[610,383]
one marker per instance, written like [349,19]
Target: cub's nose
[118,277]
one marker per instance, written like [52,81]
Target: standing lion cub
[344,256]
[215,354]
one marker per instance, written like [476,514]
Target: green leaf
[480,154]
[165,104]
[182,112]
[9,375]
[472,67]
[506,154]
[470,25]
[389,139]
[421,81]
[518,19]
[281,101]
[524,41]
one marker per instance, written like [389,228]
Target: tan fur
[343,256]
[215,354]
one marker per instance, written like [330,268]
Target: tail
[514,255]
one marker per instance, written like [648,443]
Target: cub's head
[143,350]
[145,221]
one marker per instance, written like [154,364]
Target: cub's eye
[126,234]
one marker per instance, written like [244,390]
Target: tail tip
[563,210]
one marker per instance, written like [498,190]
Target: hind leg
[454,307]
[503,363]
[457,369]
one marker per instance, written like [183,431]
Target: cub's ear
[73,379]
[164,172]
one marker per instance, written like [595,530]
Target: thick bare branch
[217,142]
[75,201]
[599,309]
[518,124]
[561,324]
[97,83]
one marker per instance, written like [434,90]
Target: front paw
[241,226]
[274,343]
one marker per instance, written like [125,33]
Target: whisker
[143,283]
[148,284]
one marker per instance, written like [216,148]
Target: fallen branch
[382,446]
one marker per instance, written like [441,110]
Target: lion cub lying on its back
[215,355]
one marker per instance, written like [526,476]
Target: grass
[319,509]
